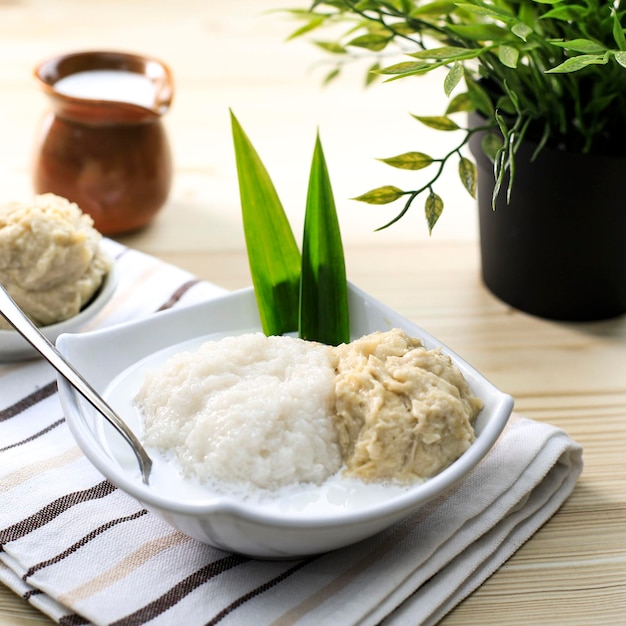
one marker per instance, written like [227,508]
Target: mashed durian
[51,261]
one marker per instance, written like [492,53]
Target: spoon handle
[16,317]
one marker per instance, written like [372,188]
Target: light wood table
[228,53]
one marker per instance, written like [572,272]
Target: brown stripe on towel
[30,400]
[178,294]
[179,591]
[36,468]
[83,541]
[124,567]
[73,620]
[47,429]
[258,591]
[54,509]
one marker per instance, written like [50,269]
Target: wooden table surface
[232,53]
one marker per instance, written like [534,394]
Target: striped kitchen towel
[83,552]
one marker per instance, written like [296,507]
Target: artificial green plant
[550,71]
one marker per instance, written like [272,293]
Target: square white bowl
[106,356]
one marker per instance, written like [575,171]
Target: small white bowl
[13,347]
[114,361]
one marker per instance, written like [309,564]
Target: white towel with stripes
[83,552]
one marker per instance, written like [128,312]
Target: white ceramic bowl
[114,360]
[13,347]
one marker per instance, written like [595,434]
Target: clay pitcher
[103,144]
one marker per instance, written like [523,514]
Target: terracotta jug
[107,152]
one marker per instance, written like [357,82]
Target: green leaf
[521,30]
[566,13]
[508,56]
[620,57]
[381,195]
[407,68]
[370,42]
[581,45]
[332,75]
[491,145]
[579,62]
[479,32]
[433,208]
[324,315]
[507,105]
[372,74]
[313,22]
[453,77]
[468,175]
[618,31]
[273,254]
[438,122]
[486,11]
[438,8]
[331,46]
[460,102]
[447,53]
[479,97]
[409,161]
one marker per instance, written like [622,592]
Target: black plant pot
[558,249]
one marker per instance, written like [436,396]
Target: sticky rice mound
[248,410]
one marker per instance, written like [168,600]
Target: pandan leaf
[381,195]
[273,254]
[324,313]
[409,161]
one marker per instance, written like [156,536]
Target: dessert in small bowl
[261,517]
[53,264]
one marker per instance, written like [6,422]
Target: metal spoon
[16,317]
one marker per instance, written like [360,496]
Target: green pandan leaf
[273,254]
[324,313]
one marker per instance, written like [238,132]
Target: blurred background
[235,55]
